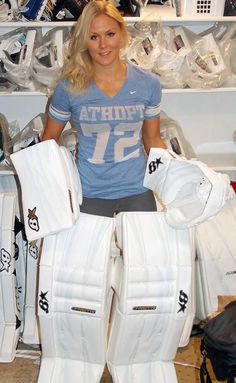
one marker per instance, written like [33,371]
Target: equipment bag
[219,345]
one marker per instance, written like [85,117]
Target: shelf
[220,156]
[18,24]
[22,93]
[5,171]
[164,91]
[200,90]
[219,161]
[162,17]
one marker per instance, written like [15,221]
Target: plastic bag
[48,58]
[174,138]
[4,141]
[16,49]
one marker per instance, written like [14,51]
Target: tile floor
[25,370]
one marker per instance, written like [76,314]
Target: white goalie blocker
[74,301]
[50,186]
[9,315]
[216,260]
[190,190]
[152,283]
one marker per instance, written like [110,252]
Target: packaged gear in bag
[219,345]
[16,50]
[68,10]
[230,8]
[4,141]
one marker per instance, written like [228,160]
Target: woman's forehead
[103,23]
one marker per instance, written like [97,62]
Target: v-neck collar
[105,95]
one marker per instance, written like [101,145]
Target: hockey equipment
[30,334]
[216,260]
[74,301]
[5,84]
[190,191]
[29,135]
[33,9]
[129,7]
[4,141]
[230,8]
[9,314]
[191,309]
[205,65]
[173,136]
[48,57]
[219,345]
[51,189]
[161,2]
[16,50]
[5,14]
[20,246]
[152,282]
[67,10]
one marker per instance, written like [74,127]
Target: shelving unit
[206,116]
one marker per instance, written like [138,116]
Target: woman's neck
[111,80]
[110,73]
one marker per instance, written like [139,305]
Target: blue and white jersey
[111,158]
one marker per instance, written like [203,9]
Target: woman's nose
[102,41]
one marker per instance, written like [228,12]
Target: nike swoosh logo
[132,91]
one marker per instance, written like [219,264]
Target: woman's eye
[93,37]
[111,34]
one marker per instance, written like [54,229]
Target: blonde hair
[78,66]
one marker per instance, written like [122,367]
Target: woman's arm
[151,135]
[52,130]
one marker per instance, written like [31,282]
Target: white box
[203,8]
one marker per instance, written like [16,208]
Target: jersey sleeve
[59,107]
[152,110]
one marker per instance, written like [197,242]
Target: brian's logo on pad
[33,249]
[153,165]
[33,219]
[183,300]
[43,302]
[5,260]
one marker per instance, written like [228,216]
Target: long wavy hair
[78,66]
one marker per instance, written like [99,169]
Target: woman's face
[105,40]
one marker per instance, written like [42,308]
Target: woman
[115,109]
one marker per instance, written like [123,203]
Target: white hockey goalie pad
[190,190]
[152,282]
[51,189]
[74,301]
[9,316]
[216,260]
[191,309]
[30,334]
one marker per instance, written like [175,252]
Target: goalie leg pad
[161,372]
[9,323]
[216,259]
[30,332]
[74,301]
[151,294]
